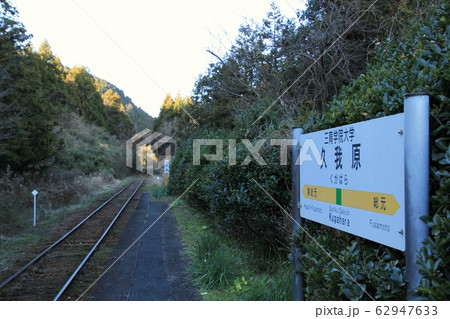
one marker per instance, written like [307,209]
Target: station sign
[166,166]
[358,183]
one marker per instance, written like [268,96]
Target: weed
[274,287]
[17,236]
[215,265]
[178,203]
[225,269]
[206,246]
[159,192]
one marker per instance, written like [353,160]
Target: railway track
[48,275]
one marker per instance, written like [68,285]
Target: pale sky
[146,48]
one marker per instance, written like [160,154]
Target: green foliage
[13,36]
[85,99]
[34,92]
[182,170]
[159,192]
[253,215]
[215,265]
[269,71]
[369,270]
[206,245]
[418,64]
[174,116]
[118,120]
[30,96]
[37,91]
[253,280]
[274,287]
[138,117]
[228,193]
[87,149]
[434,257]
[301,62]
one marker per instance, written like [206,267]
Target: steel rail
[62,238]
[97,243]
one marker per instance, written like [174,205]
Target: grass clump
[214,264]
[159,192]
[227,269]
[277,286]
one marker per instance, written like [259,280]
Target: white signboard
[166,166]
[355,181]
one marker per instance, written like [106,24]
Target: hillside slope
[138,116]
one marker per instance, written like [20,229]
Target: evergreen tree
[36,89]
[13,36]
[84,97]
[119,122]
[45,52]
[167,102]
[138,117]
[32,95]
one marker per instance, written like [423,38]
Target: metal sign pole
[298,291]
[416,107]
[34,193]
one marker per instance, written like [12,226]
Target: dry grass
[87,161]
[85,169]
[55,188]
[19,240]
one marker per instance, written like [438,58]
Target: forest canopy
[36,91]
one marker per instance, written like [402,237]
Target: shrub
[229,193]
[88,148]
[159,192]
[418,64]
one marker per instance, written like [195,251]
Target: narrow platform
[155,268]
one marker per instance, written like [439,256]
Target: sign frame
[416,188]
[357,183]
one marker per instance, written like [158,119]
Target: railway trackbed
[49,274]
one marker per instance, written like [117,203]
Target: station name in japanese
[338,137]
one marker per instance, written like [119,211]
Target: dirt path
[155,268]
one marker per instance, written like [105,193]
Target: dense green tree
[84,97]
[13,36]
[138,117]
[37,92]
[45,52]
[174,116]
[32,95]
[296,66]
[119,122]
[8,122]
